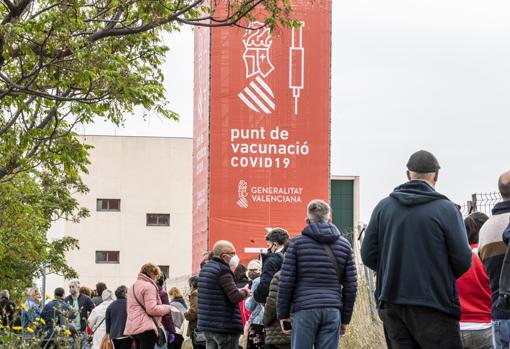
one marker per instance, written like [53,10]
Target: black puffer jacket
[271,263]
[218,299]
[274,334]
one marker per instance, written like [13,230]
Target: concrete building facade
[140,211]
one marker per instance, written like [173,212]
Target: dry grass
[365,330]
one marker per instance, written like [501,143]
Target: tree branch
[16,10]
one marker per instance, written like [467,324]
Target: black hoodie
[417,243]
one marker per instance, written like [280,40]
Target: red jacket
[475,292]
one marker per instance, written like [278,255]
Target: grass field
[365,330]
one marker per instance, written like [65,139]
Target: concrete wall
[148,175]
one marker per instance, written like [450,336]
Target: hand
[343,328]
[171,338]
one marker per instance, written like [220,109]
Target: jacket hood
[322,232]
[416,193]
[501,208]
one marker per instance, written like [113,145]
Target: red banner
[269,127]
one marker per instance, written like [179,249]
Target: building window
[108,205]
[108,257]
[165,269]
[158,219]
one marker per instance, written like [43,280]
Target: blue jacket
[417,243]
[30,313]
[218,299]
[115,318]
[271,264]
[257,310]
[506,234]
[309,279]
[56,313]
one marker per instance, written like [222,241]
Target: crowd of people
[124,319]
[442,282]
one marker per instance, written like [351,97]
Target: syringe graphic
[297,65]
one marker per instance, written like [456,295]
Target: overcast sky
[406,75]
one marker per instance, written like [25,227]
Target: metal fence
[481,202]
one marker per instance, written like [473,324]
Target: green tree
[64,63]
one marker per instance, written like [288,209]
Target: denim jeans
[319,327]
[221,340]
[501,334]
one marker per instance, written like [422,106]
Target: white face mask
[234,261]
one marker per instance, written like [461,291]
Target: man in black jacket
[218,299]
[417,243]
[277,240]
[82,305]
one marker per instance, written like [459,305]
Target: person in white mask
[217,293]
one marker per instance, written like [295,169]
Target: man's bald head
[223,247]
[504,185]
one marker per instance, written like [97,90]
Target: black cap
[423,162]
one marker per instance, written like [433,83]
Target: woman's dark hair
[100,287]
[121,292]
[240,273]
[193,282]
[161,280]
[473,224]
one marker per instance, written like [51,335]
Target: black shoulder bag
[161,340]
[332,257]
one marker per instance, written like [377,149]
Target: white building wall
[148,175]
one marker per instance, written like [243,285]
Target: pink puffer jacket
[138,320]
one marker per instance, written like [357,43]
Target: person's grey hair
[5,294]
[319,211]
[107,295]
[31,291]
[75,282]
[424,176]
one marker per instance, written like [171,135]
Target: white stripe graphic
[247,102]
[264,85]
[262,94]
[242,203]
[256,100]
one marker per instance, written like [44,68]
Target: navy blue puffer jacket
[309,279]
[216,313]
